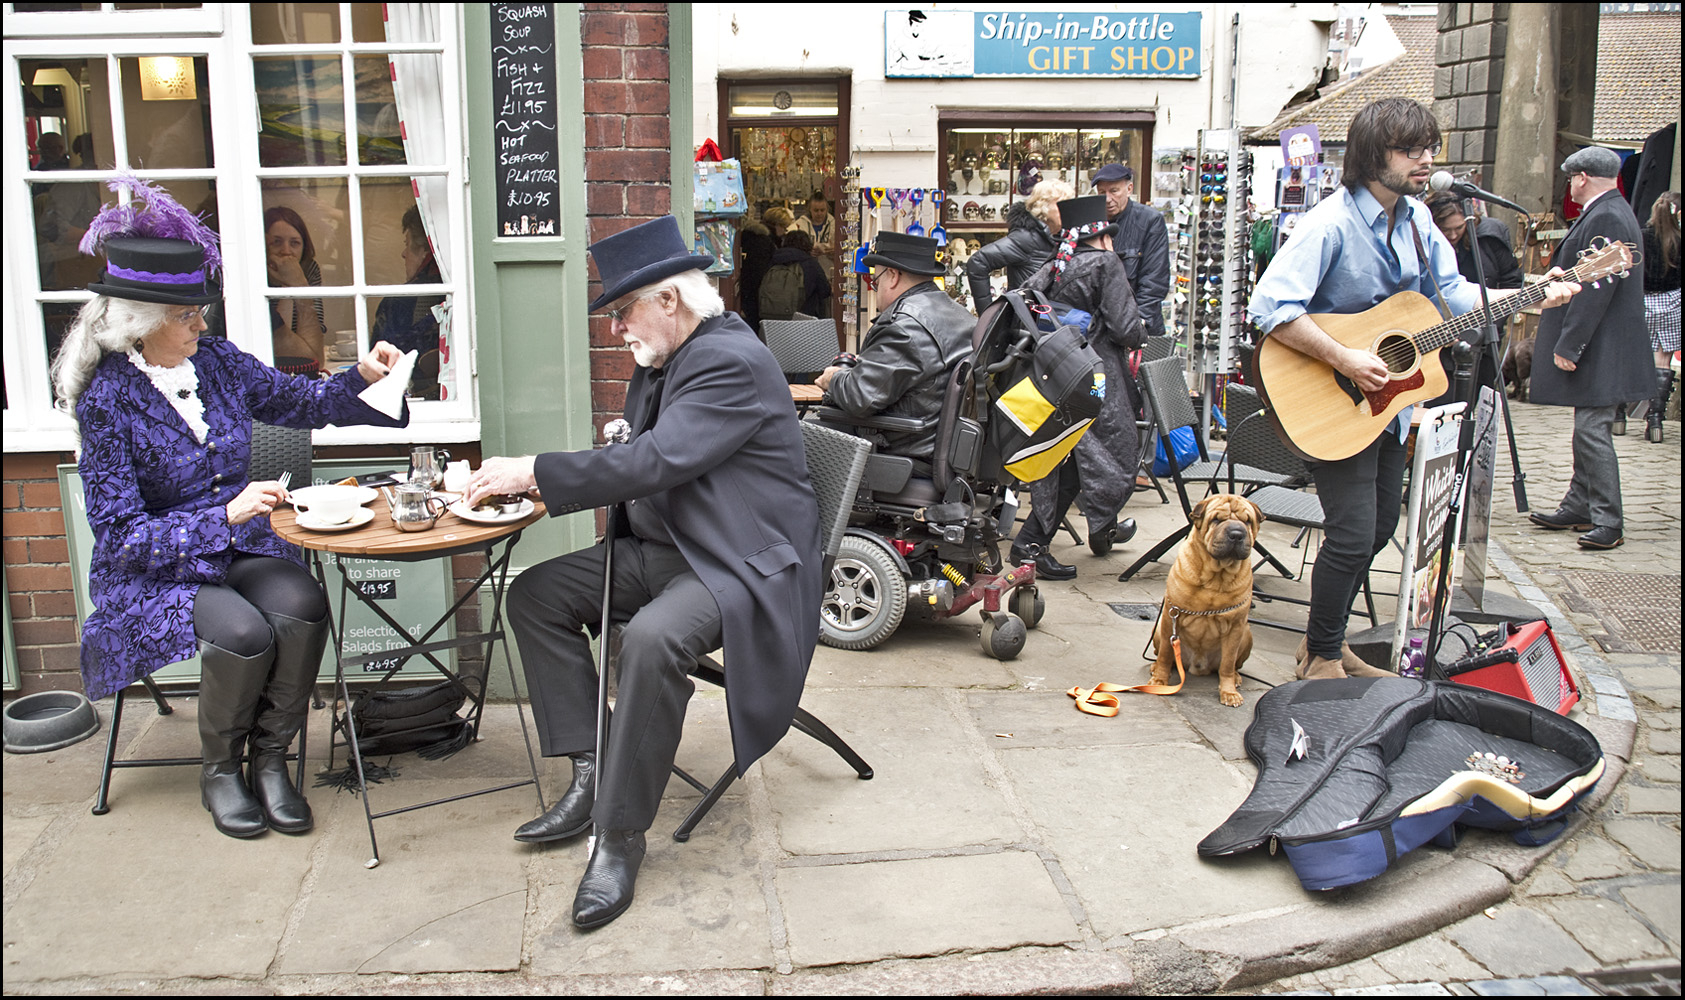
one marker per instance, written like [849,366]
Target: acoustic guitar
[1323,416]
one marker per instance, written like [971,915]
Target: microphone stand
[1465,382]
[1518,485]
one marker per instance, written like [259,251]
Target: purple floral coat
[155,497]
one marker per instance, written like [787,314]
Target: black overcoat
[721,462]
[1601,329]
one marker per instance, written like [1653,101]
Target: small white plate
[308,520]
[467,513]
[304,495]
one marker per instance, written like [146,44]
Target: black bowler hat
[642,255]
[156,269]
[913,254]
[1075,213]
[1114,172]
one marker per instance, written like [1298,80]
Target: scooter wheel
[1004,635]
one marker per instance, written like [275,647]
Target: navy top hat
[156,269]
[642,255]
[1074,213]
[913,254]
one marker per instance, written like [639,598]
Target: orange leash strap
[1101,699]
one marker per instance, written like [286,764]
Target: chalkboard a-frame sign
[523,58]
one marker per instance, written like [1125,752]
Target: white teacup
[331,504]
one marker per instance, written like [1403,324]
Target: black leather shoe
[234,810]
[1560,521]
[283,807]
[571,815]
[1100,542]
[1047,567]
[606,890]
[1601,538]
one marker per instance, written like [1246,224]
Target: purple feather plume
[150,212]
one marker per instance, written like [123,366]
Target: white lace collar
[180,385]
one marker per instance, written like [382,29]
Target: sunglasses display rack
[1213,251]
[850,242]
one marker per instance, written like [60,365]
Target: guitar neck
[1451,331]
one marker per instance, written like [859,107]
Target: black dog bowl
[49,720]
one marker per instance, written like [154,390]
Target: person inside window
[295,323]
[407,321]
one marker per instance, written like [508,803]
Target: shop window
[357,110]
[376,207]
[990,160]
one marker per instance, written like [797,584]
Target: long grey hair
[105,325]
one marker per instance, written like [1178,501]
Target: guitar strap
[1427,270]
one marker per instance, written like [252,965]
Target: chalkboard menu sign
[523,51]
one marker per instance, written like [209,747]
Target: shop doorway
[791,137]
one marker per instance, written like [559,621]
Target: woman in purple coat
[184,559]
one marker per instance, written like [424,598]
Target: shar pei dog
[1209,594]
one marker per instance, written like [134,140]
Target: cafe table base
[381,540]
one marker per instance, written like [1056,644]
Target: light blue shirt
[1339,260]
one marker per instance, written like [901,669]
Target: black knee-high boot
[286,697]
[1658,406]
[230,686]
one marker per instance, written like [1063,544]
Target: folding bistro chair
[803,347]
[1166,392]
[836,462]
[274,450]
[1254,442]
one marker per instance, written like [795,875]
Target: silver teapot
[412,507]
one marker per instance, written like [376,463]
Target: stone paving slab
[926,906]
[449,894]
[218,904]
[1512,941]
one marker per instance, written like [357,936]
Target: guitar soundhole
[1397,352]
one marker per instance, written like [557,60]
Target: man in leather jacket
[914,342]
[1142,242]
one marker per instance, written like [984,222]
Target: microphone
[617,431]
[1443,181]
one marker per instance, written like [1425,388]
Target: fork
[286,477]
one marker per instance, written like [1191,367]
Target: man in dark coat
[1085,273]
[1598,351]
[718,536]
[1142,241]
[913,344]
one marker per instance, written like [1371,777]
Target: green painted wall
[529,293]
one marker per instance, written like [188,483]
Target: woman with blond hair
[1032,227]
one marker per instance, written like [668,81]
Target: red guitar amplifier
[1529,665]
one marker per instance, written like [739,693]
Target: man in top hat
[715,533]
[1085,273]
[1142,241]
[904,360]
[1599,354]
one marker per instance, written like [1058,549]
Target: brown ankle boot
[1353,664]
[1316,669]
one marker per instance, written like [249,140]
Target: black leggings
[231,615]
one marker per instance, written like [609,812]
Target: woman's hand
[286,270]
[378,362]
[256,500]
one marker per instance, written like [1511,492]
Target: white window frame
[221,33]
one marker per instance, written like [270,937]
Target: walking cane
[614,432]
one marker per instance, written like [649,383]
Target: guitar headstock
[1605,258]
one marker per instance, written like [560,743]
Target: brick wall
[38,574]
[1468,83]
[627,147]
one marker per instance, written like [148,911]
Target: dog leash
[1101,699]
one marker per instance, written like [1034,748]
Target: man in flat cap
[905,357]
[1599,354]
[716,535]
[1142,241]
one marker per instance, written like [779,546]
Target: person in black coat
[1502,269]
[816,288]
[715,533]
[1029,242]
[1594,354]
[1142,243]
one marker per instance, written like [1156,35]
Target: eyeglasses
[187,317]
[1415,152]
[619,315]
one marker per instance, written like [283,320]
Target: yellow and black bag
[1046,389]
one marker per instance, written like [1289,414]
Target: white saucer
[363,494]
[467,513]
[308,520]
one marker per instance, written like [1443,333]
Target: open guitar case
[1354,773]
